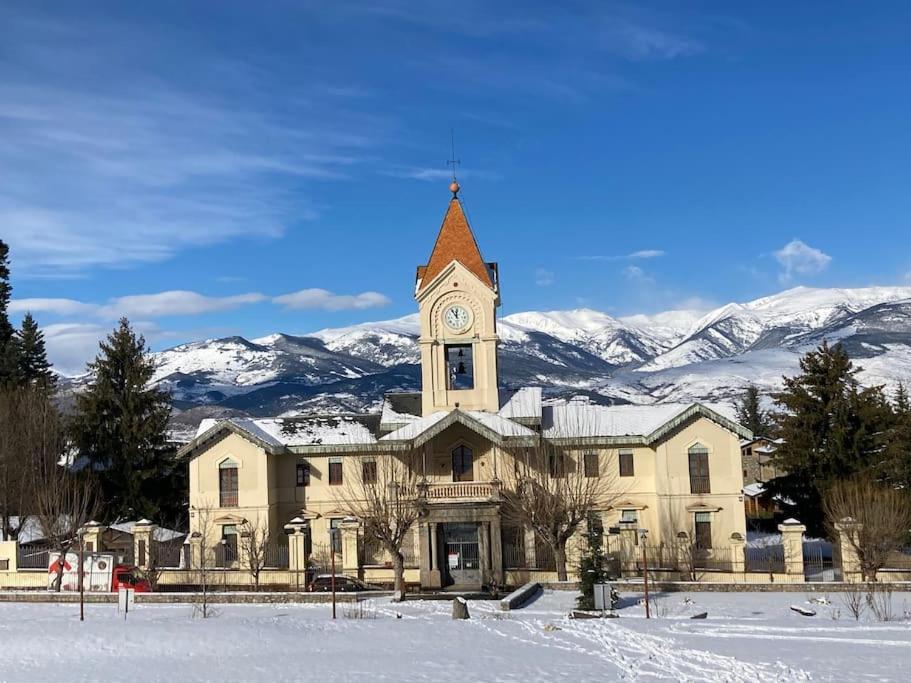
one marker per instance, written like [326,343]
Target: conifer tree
[8,350]
[120,428]
[34,367]
[831,429]
[591,567]
[750,414]
[898,450]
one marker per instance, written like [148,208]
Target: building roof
[456,242]
[493,427]
[400,408]
[161,534]
[522,404]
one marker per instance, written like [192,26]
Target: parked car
[343,584]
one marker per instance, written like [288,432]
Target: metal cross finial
[453,161]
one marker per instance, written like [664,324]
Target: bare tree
[64,502]
[255,542]
[203,565]
[550,489]
[384,494]
[873,519]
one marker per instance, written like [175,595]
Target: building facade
[671,470]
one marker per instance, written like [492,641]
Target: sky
[219,168]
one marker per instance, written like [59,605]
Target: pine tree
[831,428]
[8,347]
[591,567]
[34,367]
[750,414]
[120,428]
[897,467]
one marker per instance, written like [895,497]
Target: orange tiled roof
[454,243]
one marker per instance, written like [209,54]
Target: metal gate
[460,552]
[819,563]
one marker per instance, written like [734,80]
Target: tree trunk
[560,560]
[398,568]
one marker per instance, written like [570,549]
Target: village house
[673,470]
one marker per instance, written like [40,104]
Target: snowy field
[747,637]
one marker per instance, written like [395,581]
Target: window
[462,464]
[699,469]
[459,366]
[229,535]
[368,471]
[303,474]
[591,464]
[227,484]
[629,517]
[557,464]
[703,526]
[335,537]
[335,472]
[626,463]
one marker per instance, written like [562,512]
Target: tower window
[459,366]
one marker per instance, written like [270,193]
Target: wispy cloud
[633,256]
[799,258]
[437,174]
[544,277]
[158,305]
[636,274]
[71,345]
[325,300]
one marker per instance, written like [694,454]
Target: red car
[124,576]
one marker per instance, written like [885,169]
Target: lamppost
[643,537]
[81,532]
[224,564]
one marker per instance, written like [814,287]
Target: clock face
[456,317]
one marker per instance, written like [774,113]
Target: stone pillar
[531,559]
[196,550]
[435,579]
[496,551]
[850,562]
[297,530]
[91,537]
[351,564]
[484,551]
[792,540]
[143,538]
[738,562]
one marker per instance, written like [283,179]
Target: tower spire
[453,161]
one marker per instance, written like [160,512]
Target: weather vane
[454,185]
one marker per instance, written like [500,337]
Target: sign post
[125,600]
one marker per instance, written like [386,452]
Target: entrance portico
[463,547]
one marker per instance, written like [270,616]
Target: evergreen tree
[750,414]
[591,567]
[120,428]
[831,429]
[8,350]
[34,367]
[898,450]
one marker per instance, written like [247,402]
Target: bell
[461,369]
[461,353]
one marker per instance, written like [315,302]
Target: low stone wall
[31,579]
[191,598]
[520,596]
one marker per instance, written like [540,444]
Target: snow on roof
[162,534]
[301,431]
[500,426]
[397,407]
[524,403]
[584,420]
[753,490]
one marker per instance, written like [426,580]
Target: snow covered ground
[747,637]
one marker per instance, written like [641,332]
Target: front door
[461,558]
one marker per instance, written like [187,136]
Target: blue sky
[238,168]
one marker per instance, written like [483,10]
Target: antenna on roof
[454,185]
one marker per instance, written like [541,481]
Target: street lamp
[81,533]
[643,536]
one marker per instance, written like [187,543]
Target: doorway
[461,559]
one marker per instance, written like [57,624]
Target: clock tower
[458,294]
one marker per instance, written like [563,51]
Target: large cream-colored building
[674,470]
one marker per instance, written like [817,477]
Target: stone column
[350,557]
[435,580]
[496,551]
[143,537]
[792,540]
[196,550]
[531,559]
[850,562]
[483,551]
[91,536]
[738,563]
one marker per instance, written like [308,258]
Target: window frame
[702,530]
[228,484]
[467,362]
[302,475]
[556,465]
[368,466]
[336,472]
[591,464]
[625,455]
[699,469]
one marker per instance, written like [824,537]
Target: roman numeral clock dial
[456,318]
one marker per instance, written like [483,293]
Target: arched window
[227,484]
[699,469]
[462,464]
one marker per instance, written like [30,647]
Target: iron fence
[169,554]
[768,559]
[276,556]
[32,556]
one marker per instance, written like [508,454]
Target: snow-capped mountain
[671,356]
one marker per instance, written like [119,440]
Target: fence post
[143,538]
[350,557]
[738,563]
[850,562]
[196,551]
[297,530]
[92,538]
[792,542]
